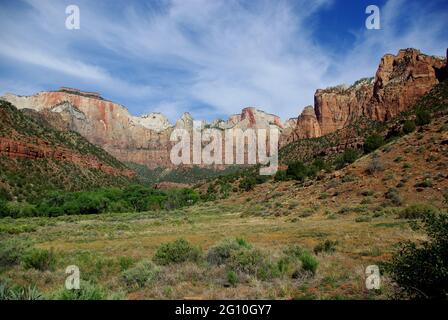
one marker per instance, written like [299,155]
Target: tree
[373,142]
[422,117]
[409,126]
[297,170]
[4,211]
[421,269]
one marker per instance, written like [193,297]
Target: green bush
[422,117]
[349,156]
[325,246]
[220,254]
[4,211]
[254,262]
[297,170]
[281,176]
[373,142]
[11,251]
[176,252]
[246,260]
[20,210]
[232,277]
[39,259]
[142,273]
[417,211]
[421,269]
[248,183]
[87,291]
[309,262]
[393,196]
[409,126]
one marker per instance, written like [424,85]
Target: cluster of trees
[134,198]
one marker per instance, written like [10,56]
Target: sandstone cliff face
[399,81]
[143,140]
[307,125]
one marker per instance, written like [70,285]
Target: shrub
[176,252]
[409,126]
[220,253]
[248,183]
[375,166]
[20,209]
[393,196]
[363,219]
[11,251]
[427,183]
[421,269]
[87,291]
[4,211]
[422,117]
[253,262]
[281,176]
[39,259]
[297,170]
[373,142]
[142,273]
[417,211]
[246,260]
[349,156]
[326,246]
[309,263]
[232,277]
[293,251]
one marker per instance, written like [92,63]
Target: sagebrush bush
[417,211]
[39,259]
[11,252]
[220,253]
[141,274]
[393,196]
[176,252]
[375,166]
[326,246]
[254,262]
[421,269]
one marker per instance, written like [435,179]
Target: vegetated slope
[35,157]
[410,169]
[184,175]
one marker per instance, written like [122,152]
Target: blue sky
[208,57]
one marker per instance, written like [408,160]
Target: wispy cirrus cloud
[208,57]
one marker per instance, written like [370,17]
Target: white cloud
[222,53]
